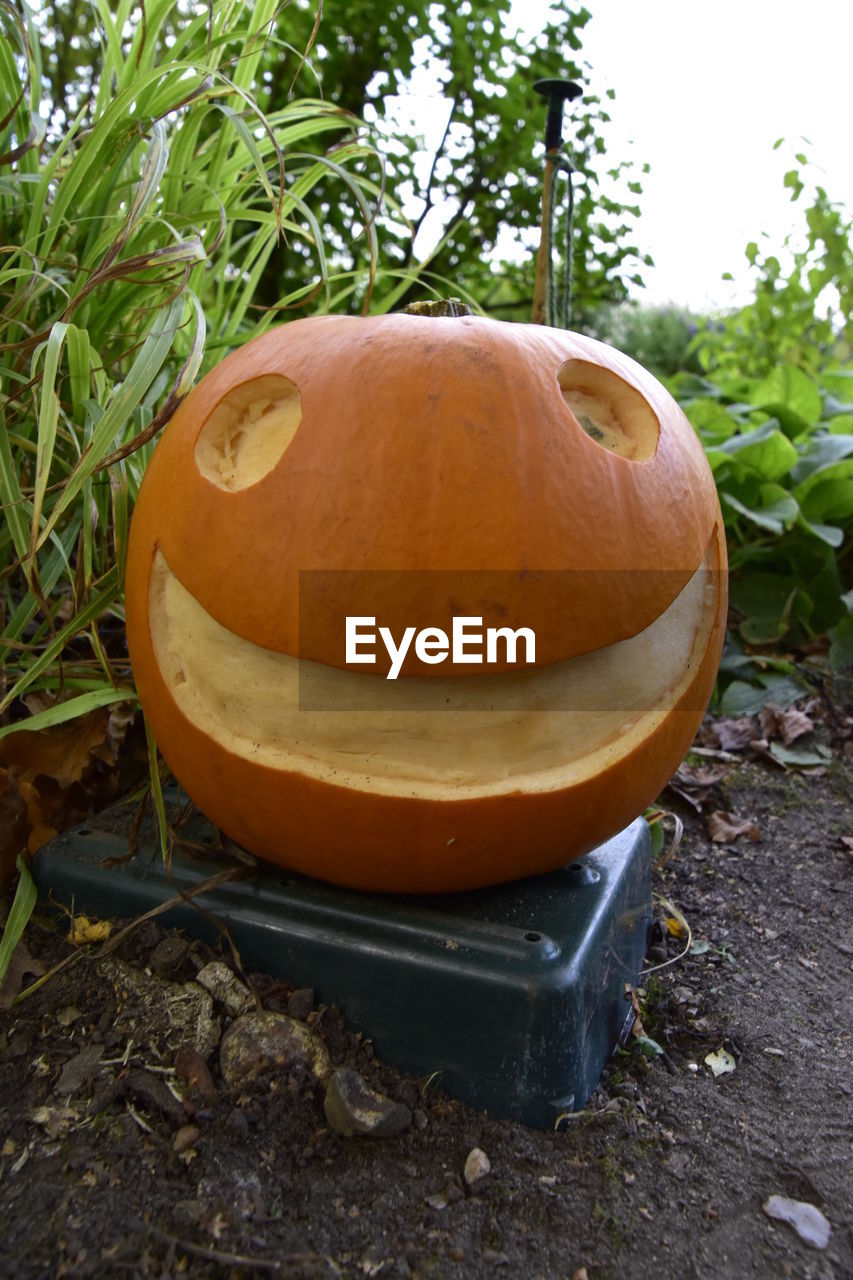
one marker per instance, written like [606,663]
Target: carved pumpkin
[415,470]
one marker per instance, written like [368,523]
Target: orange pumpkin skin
[441,445]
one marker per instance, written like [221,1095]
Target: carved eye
[248,431]
[609,410]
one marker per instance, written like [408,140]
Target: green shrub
[133,242]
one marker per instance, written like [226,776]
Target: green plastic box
[514,994]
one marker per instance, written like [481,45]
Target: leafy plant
[140,204]
[802,310]
[781,449]
[134,242]
[473,192]
[774,411]
[661,338]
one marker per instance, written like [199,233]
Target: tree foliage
[477,192]
[802,308]
[775,414]
[466,203]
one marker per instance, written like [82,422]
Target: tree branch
[428,201]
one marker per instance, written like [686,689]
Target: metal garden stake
[545,307]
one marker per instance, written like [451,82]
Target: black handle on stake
[557,91]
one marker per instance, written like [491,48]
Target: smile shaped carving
[416,470]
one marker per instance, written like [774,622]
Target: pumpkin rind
[444,454]
[440,451]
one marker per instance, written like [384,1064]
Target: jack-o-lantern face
[415,471]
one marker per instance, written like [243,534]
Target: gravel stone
[352,1107]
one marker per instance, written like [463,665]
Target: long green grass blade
[47,425]
[22,907]
[62,712]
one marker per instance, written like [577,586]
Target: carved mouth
[538,729]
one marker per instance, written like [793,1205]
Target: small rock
[224,985]
[477,1166]
[260,1042]
[150,1090]
[168,956]
[78,1071]
[193,1210]
[237,1124]
[808,1222]
[186,1137]
[191,1066]
[451,1193]
[420,1118]
[300,1003]
[352,1107]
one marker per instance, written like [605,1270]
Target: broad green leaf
[764,451]
[826,494]
[776,512]
[829,498]
[841,424]
[828,533]
[743,699]
[841,648]
[791,395]
[800,756]
[770,603]
[712,421]
[822,451]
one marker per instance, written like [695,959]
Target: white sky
[703,90]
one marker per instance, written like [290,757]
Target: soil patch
[121,1153]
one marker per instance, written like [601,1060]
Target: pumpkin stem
[438,307]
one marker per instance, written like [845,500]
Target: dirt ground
[118,1157]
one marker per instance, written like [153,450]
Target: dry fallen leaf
[693,782]
[61,773]
[63,752]
[15,826]
[701,775]
[787,725]
[674,919]
[83,930]
[724,827]
[721,1062]
[55,1120]
[733,735]
[21,963]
